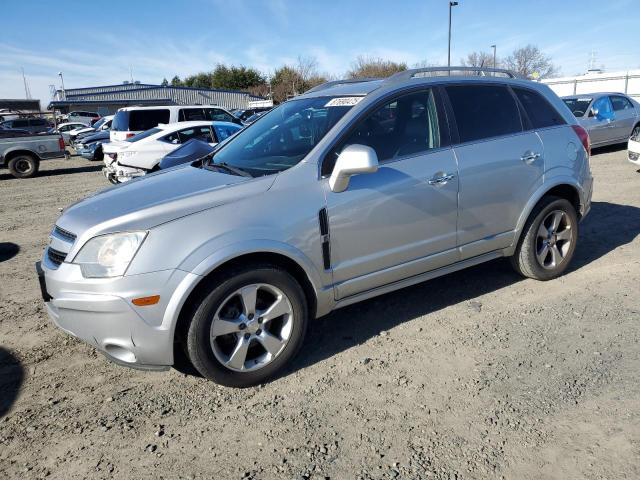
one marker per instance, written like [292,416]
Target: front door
[401,220]
[625,117]
[600,127]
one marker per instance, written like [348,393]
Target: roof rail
[450,71]
[333,83]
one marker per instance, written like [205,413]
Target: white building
[596,81]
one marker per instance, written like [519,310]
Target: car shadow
[8,250]
[59,171]
[607,227]
[608,149]
[11,379]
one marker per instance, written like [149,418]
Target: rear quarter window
[540,112]
[483,111]
[139,120]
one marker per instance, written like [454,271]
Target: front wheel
[548,240]
[247,326]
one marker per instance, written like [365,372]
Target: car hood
[95,137]
[157,198]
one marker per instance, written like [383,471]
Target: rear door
[625,117]
[500,165]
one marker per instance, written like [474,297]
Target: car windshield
[142,135]
[284,136]
[578,106]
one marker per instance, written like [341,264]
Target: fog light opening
[120,353]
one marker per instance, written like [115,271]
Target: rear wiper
[229,168]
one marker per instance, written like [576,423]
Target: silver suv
[349,191]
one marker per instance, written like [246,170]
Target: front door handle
[530,157]
[441,179]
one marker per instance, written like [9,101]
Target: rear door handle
[530,157]
[442,179]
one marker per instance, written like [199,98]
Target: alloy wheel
[251,327]
[553,240]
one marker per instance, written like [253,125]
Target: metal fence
[622,82]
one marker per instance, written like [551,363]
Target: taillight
[129,135]
[61,143]
[584,138]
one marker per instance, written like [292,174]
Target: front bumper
[100,312]
[115,171]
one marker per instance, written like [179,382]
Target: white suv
[130,121]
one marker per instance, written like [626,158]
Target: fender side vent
[323,220]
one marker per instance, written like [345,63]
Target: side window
[620,103]
[20,123]
[224,132]
[484,111]
[604,107]
[539,111]
[141,120]
[173,138]
[218,114]
[188,114]
[408,125]
[201,133]
[37,122]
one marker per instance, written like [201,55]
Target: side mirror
[353,160]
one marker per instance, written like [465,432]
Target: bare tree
[529,61]
[479,59]
[372,67]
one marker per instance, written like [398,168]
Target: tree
[164,83]
[288,81]
[371,67]
[236,78]
[176,82]
[479,59]
[530,61]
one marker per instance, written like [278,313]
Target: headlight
[108,255]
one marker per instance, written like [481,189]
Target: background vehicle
[633,148]
[65,130]
[12,132]
[244,114]
[609,118]
[22,154]
[130,121]
[33,125]
[81,117]
[104,124]
[90,147]
[142,153]
[437,173]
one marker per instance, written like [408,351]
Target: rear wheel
[636,132]
[23,166]
[247,326]
[548,240]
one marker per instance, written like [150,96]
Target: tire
[235,353]
[544,253]
[23,166]
[98,154]
[635,133]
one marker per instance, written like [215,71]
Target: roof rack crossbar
[444,71]
[333,83]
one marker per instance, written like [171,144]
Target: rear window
[140,136]
[578,106]
[139,120]
[484,111]
[539,111]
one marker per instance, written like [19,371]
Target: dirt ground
[480,374]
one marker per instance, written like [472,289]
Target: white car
[142,153]
[634,150]
[130,121]
[65,129]
[103,124]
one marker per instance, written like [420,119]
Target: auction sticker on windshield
[343,102]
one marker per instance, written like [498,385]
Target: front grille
[64,234]
[55,256]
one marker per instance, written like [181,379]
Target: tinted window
[408,125]
[539,111]
[142,135]
[201,133]
[20,123]
[621,103]
[218,114]
[578,106]
[136,120]
[187,114]
[37,122]
[484,111]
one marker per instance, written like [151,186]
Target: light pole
[494,56]
[451,5]
[64,93]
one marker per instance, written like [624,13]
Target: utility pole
[27,93]
[494,56]
[64,92]
[451,5]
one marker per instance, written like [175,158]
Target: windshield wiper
[229,168]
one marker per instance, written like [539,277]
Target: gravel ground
[480,374]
